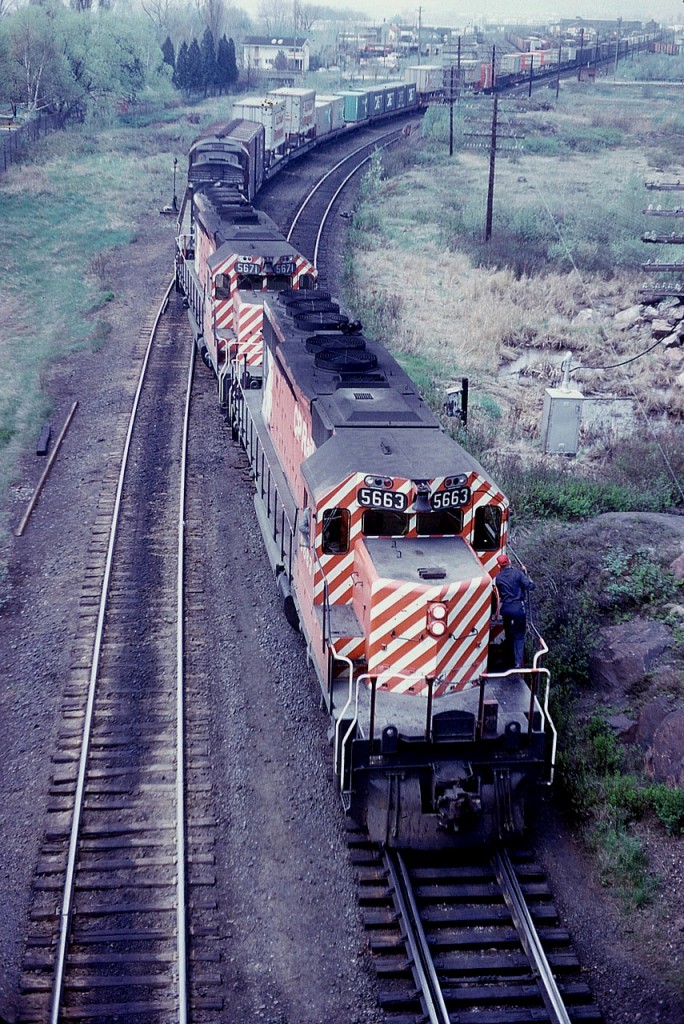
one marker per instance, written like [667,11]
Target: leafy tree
[209,68]
[158,11]
[68,64]
[195,71]
[180,75]
[168,53]
[226,64]
[213,14]
[280,62]
[33,57]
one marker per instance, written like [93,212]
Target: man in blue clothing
[512,586]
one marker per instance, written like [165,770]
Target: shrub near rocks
[609,604]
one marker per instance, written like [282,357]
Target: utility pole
[558,75]
[529,88]
[617,45]
[454,93]
[671,273]
[492,163]
[420,14]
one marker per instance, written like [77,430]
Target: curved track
[116,846]
[310,228]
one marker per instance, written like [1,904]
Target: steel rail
[529,938]
[181,922]
[326,214]
[68,893]
[324,178]
[416,938]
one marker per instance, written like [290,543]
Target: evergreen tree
[232,63]
[209,68]
[226,64]
[195,75]
[180,75]
[168,53]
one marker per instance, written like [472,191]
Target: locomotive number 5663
[369,497]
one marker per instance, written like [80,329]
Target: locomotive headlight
[436,618]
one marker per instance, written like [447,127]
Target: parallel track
[117,847]
[474,939]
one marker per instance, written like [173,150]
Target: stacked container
[266,110]
[300,111]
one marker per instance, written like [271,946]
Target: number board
[247,268]
[451,499]
[372,497]
[283,268]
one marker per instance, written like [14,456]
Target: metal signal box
[561,421]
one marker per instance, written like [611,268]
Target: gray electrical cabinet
[561,421]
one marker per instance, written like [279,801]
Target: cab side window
[487,528]
[336,523]
[222,286]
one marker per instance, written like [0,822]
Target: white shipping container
[426,77]
[323,118]
[336,109]
[470,71]
[300,109]
[266,110]
[510,63]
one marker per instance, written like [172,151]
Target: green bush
[668,805]
[634,580]
[625,797]
[623,863]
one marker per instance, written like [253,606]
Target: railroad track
[109,918]
[310,227]
[474,939]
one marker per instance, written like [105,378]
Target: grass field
[74,202]
[565,253]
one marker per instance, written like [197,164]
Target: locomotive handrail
[535,672]
[340,719]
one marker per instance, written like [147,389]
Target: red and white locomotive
[383,534]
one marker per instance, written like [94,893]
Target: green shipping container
[355,105]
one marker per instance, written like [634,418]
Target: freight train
[382,531]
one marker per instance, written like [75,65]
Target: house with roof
[261,52]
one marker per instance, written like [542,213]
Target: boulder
[677,567]
[661,328]
[676,339]
[650,718]
[627,318]
[624,727]
[668,749]
[626,652]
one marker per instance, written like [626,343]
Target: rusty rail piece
[44,475]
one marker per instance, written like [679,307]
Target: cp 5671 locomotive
[383,534]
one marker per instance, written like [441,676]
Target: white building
[261,52]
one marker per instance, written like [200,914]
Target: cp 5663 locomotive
[383,534]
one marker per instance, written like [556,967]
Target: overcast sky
[446,12]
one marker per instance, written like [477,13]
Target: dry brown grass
[468,319]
